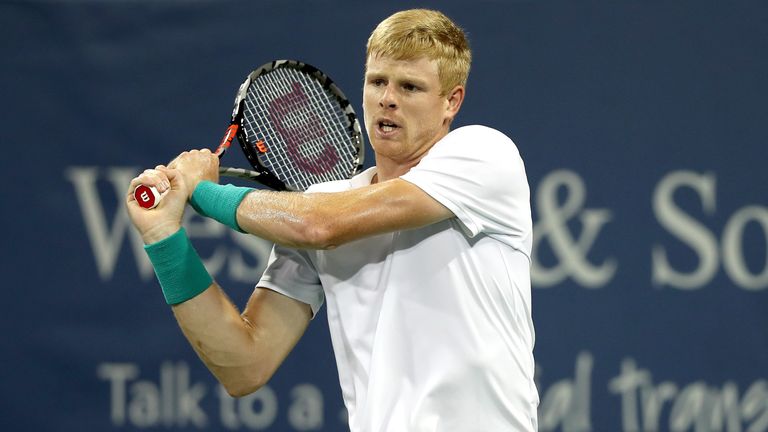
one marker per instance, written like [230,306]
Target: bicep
[277,321]
[242,350]
[275,324]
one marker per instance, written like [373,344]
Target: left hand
[165,219]
[196,166]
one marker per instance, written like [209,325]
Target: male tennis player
[423,260]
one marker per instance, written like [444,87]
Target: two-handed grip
[148,197]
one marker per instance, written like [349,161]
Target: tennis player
[423,260]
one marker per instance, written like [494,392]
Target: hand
[165,219]
[196,166]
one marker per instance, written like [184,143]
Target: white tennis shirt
[431,327]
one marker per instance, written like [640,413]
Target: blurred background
[643,126]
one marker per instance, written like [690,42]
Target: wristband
[219,202]
[178,267]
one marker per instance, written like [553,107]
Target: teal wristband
[219,202]
[178,267]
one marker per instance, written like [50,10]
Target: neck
[387,169]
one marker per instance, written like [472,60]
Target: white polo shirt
[432,327]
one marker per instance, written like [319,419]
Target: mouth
[387,126]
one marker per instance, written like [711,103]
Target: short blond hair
[416,33]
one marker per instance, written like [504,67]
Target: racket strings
[304,129]
[332,134]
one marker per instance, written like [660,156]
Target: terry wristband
[219,202]
[178,267]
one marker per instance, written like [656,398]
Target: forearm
[279,217]
[327,220]
[291,219]
[319,220]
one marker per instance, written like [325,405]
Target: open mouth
[387,126]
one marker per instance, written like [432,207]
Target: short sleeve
[478,174]
[290,272]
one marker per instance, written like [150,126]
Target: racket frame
[148,197]
[250,149]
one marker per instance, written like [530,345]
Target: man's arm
[327,220]
[242,351]
[317,220]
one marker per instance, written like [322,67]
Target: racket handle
[147,196]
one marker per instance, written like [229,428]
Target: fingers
[195,165]
[186,156]
[158,178]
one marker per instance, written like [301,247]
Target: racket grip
[147,196]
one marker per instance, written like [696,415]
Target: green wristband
[178,267]
[219,202]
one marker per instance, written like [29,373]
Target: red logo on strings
[296,135]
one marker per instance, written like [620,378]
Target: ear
[453,99]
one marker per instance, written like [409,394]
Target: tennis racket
[295,127]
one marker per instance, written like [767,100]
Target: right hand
[165,219]
[196,166]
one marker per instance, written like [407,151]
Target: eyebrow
[399,79]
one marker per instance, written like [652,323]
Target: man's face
[404,111]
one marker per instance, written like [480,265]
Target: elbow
[242,381]
[320,232]
[243,386]
[237,391]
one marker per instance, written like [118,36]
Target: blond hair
[426,33]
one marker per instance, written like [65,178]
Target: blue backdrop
[643,125]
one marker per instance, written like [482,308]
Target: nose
[387,99]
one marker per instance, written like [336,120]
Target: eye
[378,82]
[409,87]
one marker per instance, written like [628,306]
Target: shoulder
[478,138]
[478,131]
[470,145]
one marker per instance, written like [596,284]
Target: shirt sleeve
[478,174]
[290,272]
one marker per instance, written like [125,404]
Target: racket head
[296,127]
